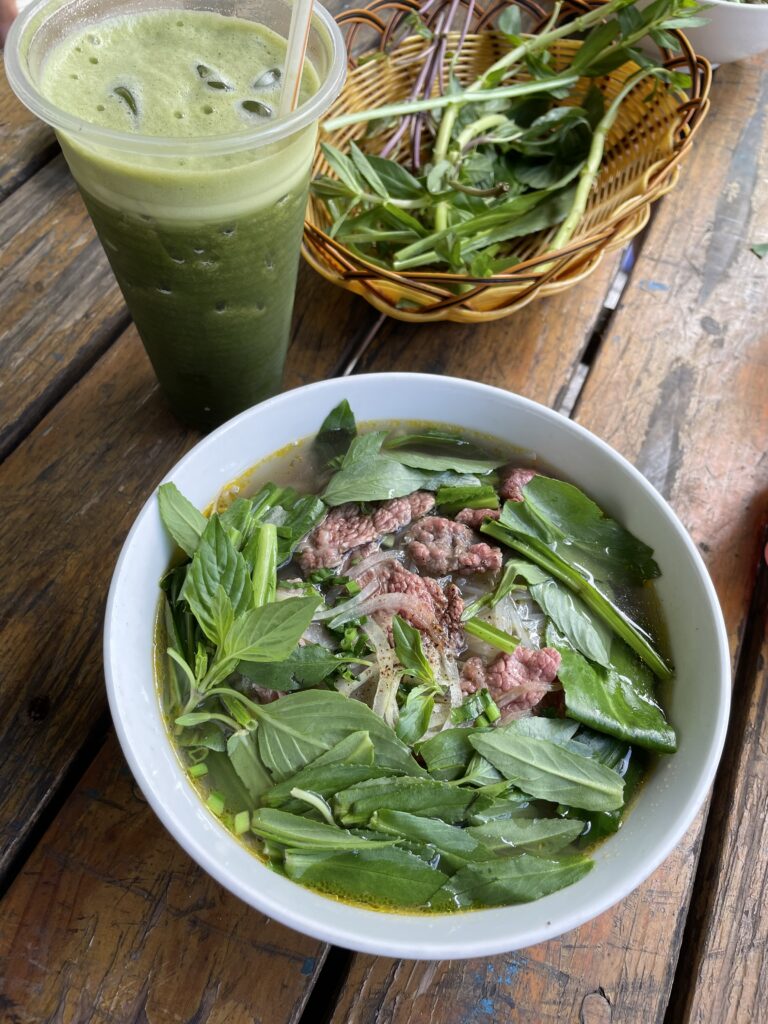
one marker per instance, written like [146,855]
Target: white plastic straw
[298,36]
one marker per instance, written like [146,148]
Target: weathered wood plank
[67,498]
[534,352]
[25,143]
[723,975]
[68,495]
[111,921]
[61,304]
[679,387]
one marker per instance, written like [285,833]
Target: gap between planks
[702,905]
[36,411]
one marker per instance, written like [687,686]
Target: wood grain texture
[25,143]
[723,972]
[61,305]
[68,496]
[112,922]
[534,352]
[680,387]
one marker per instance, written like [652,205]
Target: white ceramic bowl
[733,32]
[698,702]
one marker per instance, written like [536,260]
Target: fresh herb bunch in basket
[503,161]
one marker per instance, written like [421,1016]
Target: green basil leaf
[546,770]
[399,183]
[458,844]
[366,475]
[216,563]
[518,532]
[208,735]
[355,748]
[447,754]
[304,667]
[269,633]
[586,632]
[556,730]
[354,806]
[303,833]
[509,22]
[584,536]
[387,878]
[325,780]
[529,835]
[182,520]
[410,650]
[223,778]
[618,700]
[598,40]
[441,463]
[438,438]
[343,167]
[415,714]
[489,806]
[299,727]
[509,880]
[451,500]
[367,171]
[480,772]
[244,755]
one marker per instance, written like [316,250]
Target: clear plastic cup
[203,234]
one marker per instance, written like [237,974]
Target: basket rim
[544,271]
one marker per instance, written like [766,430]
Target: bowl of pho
[416,666]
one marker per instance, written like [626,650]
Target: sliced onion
[419,611]
[385,699]
[505,615]
[346,610]
[449,674]
[439,719]
[374,559]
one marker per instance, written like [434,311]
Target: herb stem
[438,102]
[591,168]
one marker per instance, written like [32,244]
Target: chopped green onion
[197,771]
[216,803]
[493,636]
[242,823]
[478,707]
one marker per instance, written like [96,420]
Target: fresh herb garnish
[514,152]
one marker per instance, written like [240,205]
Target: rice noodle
[347,610]
[439,719]
[371,560]
[316,633]
[506,616]
[385,699]
[449,675]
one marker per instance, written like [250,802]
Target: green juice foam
[172,73]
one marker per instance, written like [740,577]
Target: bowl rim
[730,4]
[443,947]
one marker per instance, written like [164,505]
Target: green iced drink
[196,193]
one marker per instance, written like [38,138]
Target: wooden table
[663,353]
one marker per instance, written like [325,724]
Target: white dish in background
[697,703]
[733,32]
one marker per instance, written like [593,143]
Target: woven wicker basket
[640,163]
